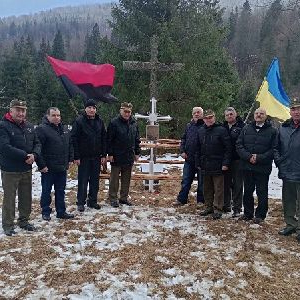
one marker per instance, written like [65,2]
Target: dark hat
[208,113]
[90,102]
[126,105]
[295,103]
[17,103]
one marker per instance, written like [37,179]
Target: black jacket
[189,140]
[287,153]
[16,141]
[214,149]
[57,149]
[89,137]
[123,140]
[234,133]
[260,142]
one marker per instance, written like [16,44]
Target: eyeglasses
[208,117]
[126,111]
[230,114]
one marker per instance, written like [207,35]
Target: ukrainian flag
[271,94]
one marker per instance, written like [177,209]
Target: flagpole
[254,102]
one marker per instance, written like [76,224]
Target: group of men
[54,148]
[233,159]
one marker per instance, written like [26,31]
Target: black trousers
[258,181]
[88,174]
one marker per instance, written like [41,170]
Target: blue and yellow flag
[271,94]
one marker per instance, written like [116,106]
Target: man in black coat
[53,163]
[89,141]
[233,178]
[255,146]
[123,148]
[19,148]
[188,148]
[213,157]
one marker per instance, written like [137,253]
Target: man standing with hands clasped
[89,141]
[123,148]
[213,157]
[19,148]
[255,146]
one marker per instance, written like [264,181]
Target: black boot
[206,212]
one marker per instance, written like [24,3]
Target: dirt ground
[150,251]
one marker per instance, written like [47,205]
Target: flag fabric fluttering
[91,81]
[271,94]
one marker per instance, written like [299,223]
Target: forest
[226,54]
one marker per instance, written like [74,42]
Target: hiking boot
[178,204]
[94,205]
[114,203]
[9,232]
[80,208]
[226,209]
[287,231]
[28,227]
[236,214]
[46,217]
[216,215]
[206,212]
[125,202]
[65,216]
[245,218]
[257,220]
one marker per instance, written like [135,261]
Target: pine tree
[58,48]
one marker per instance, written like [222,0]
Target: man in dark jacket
[233,178]
[214,153]
[255,147]
[89,141]
[19,148]
[123,148]
[56,155]
[287,158]
[188,148]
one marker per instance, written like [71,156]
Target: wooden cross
[154,66]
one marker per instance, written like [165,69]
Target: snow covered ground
[149,251]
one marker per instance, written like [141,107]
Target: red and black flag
[91,81]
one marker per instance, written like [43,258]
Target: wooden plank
[162,161]
[147,177]
[159,146]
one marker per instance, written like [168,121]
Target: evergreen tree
[58,48]
[189,32]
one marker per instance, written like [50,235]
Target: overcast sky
[24,7]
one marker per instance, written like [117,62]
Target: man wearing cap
[213,157]
[19,148]
[287,158]
[89,141]
[255,146]
[188,149]
[53,163]
[233,178]
[123,148]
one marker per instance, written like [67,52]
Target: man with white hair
[255,146]
[188,149]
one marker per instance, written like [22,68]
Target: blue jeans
[189,171]
[88,173]
[58,179]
